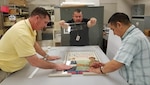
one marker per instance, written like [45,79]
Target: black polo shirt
[79,35]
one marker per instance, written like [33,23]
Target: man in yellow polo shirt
[18,45]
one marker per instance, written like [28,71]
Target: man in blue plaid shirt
[133,57]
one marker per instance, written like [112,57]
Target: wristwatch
[45,57]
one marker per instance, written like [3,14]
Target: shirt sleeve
[127,51]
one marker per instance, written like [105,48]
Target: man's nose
[78,17]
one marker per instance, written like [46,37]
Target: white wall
[109,10]
[112,6]
[125,6]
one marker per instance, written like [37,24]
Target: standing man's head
[77,15]
[119,23]
[39,18]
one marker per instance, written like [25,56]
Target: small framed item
[80,61]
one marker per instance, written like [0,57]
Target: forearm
[45,64]
[39,50]
[111,66]
[37,62]
[63,24]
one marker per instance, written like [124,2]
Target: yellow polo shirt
[16,44]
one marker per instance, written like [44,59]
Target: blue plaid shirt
[134,53]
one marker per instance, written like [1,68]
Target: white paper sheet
[113,44]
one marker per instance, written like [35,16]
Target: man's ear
[36,19]
[119,24]
[37,16]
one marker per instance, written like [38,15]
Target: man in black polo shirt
[79,32]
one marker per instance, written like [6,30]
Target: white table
[41,76]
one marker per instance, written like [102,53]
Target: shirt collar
[33,32]
[128,31]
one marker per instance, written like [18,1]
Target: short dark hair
[40,11]
[77,10]
[119,17]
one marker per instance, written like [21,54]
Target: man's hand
[95,67]
[62,67]
[96,64]
[63,24]
[95,70]
[49,58]
[93,20]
